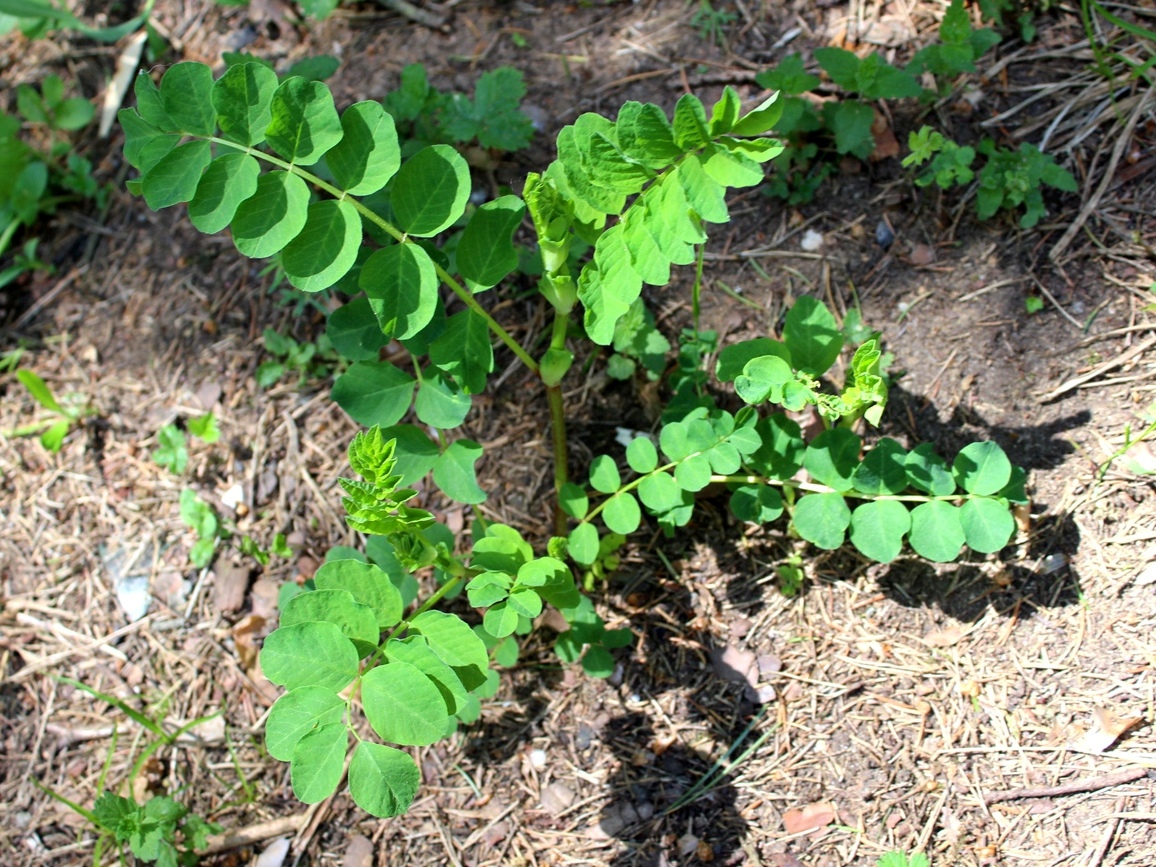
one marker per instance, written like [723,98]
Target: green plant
[1023,11]
[902,859]
[65,414]
[427,116]
[1092,13]
[958,48]
[202,519]
[1013,178]
[950,162]
[1130,464]
[640,191]
[171,452]
[308,360]
[711,23]
[36,18]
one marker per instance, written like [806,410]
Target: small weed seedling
[172,451]
[360,648]
[307,360]
[902,859]
[711,23]
[202,519]
[64,415]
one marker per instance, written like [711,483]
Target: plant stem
[561,454]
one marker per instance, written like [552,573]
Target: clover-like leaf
[878,528]
[403,704]
[822,519]
[430,191]
[367,156]
[296,714]
[318,762]
[936,531]
[304,121]
[326,248]
[382,780]
[982,468]
[309,654]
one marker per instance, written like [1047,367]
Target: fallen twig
[252,834]
[1074,788]
[1076,381]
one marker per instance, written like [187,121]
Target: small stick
[1076,381]
[252,834]
[1074,788]
[415,13]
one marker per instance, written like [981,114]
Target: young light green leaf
[374,393]
[402,287]
[368,154]
[430,191]
[229,180]
[297,713]
[326,248]
[759,504]
[455,472]
[186,95]
[242,99]
[485,252]
[762,118]
[832,458]
[583,544]
[309,654]
[551,579]
[690,123]
[175,176]
[732,168]
[812,336]
[144,144]
[704,194]
[318,762]
[272,216]
[382,780]
[573,501]
[39,390]
[982,469]
[928,472]
[355,620]
[172,452]
[604,475]
[305,123]
[734,358]
[987,524]
[936,531]
[403,705]
[762,379]
[725,113]
[488,588]
[416,651]
[621,514]
[822,519]
[367,583]
[878,528]
[457,644]
[883,470]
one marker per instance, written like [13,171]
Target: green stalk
[561,454]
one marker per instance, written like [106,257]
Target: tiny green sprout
[64,413]
[1033,304]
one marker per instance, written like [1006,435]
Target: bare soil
[951,710]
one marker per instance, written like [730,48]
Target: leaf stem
[458,289]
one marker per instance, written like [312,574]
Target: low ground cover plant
[332,197]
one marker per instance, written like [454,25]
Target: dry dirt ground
[957,711]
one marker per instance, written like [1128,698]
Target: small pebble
[1053,563]
[538,759]
[812,241]
[884,237]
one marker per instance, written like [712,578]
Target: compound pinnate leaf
[883,470]
[982,469]
[928,472]
[297,713]
[430,191]
[832,458]
[660,492]
[641,455]
[583,544]
[878,528]
[416,651]
[368,584]
[305,123]
[485,252]
[382,780]
[374,393]
[356,620]
[812,336]
[242,98]
[368,154]
[402,286]
[608,286]
[604,475]
[403,705]
[693,473]
[309,654]
[229,180]
[326,248]
[272,216]
[822,519]
[455,472]
[936,531]
[621,514]
[759,504]
[174,177]
[457,644]
[988,524]
[186,95]
[318,762]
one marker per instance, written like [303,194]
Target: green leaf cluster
[202,519]
[151,830]
[64,413]
[959,45]
[950,162]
